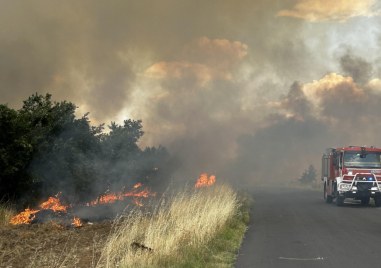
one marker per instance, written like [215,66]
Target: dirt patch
[51,245]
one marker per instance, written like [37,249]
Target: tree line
[45,149]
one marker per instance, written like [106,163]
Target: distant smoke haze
[251,91]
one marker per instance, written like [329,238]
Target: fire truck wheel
[365,201]
[328,198]
[377,201]
[340,201]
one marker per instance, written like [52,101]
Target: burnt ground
[51,241]
[296,228]
[52,245]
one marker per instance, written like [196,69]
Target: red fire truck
[352,172]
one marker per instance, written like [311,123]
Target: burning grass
[198,227]
[53,210]
[181,224]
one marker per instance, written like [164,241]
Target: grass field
[191,228]
[6,213]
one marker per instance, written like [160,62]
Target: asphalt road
[296,228]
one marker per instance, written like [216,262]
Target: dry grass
[193,228]
[51,245]
[186,221]
[6,213]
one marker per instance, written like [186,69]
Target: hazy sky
[239,88]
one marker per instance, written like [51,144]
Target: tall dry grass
[185,221]
[6,213]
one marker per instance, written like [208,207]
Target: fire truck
[352,172]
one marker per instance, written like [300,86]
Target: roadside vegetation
[45,150]
[6,213]
[307,180]
[191,228]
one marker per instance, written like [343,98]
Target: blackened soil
[52,245]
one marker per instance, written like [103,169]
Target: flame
[25,217]
[105,199]
[204,181]
[120,196]
[138,185]
[138,202]
[144,193]
[77,222]
[54,204]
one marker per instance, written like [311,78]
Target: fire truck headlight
[344,187]
[374,189]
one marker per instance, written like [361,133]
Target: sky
[247,89]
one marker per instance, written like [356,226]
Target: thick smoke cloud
[356,67]
[333,111]
[322,10]
[214,81]
[91,51]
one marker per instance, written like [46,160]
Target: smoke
[356,67]
[322,10]
[237,89]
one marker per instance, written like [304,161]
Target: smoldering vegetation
[46,150]
[174,233]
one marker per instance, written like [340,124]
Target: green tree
[15,154]
[65,148]
[121,153]
[308,176]
[45,149]
[154,166]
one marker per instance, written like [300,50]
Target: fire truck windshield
[356,159]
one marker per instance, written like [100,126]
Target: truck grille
[364,186]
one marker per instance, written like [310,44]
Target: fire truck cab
[352,172]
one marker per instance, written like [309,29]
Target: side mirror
[334,158]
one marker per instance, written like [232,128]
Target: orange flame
[77,222]
[120,196]
[105,199]
[138,185]
[204,181]
[54,204]
[138,202]
[144,193]
[24,217]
